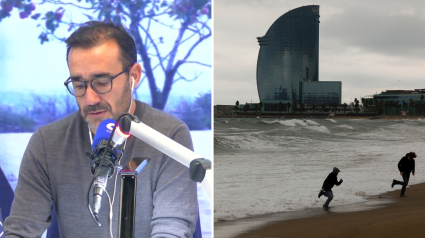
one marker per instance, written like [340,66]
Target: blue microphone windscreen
[104,131]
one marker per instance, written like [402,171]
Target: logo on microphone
[110,127]
[101,179]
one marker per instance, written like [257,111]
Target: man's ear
[136,74]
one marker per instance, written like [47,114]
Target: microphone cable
[95,218]
[121,153]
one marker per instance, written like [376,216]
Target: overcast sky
[369,46]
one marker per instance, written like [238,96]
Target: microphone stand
[128,200]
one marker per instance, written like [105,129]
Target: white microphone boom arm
[197,164]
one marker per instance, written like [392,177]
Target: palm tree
[246,107]
[394,107]
[365,104]
[418,105]
[412,105]
[280,105]
[237,107]
[288,105]
[314,107]
[301,108]
[392,104]
[387,105]
[405,106]
[323,106]
[261,106]
[381,105]
[398,106]
[376,102]
[344,106]
[335,106]
[294,107]
[356,105]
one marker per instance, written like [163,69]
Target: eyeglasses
[100,85]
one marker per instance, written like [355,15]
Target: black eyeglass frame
[69,80]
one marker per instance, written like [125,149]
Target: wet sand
[386,215]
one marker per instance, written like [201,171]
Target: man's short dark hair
[95,33]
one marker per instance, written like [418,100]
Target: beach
[396,217]
[271,169]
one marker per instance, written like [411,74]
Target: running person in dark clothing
[328,184]
[406,165]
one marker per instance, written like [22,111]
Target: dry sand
[404,217]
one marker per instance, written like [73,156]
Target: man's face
[87,63]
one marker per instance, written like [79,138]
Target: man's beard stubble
[122,106]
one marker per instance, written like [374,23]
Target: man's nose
[92,97]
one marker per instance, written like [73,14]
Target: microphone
[101,149]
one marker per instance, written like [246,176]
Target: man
[328,184]
[102,62]
[406,165]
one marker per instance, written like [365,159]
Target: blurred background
[175,37]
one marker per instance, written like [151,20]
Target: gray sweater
[55,172]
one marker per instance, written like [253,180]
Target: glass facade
[325,92]
[401,96]
[289,54]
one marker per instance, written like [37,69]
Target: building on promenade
[223,110]
[392,102]
[288,61]
[400,96]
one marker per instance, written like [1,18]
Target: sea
[274,165]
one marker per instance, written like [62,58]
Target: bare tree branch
[161,23]
[203,24]
[181,77]
[134,29]
[156,15]
[66,3]
[158,54]
[145,77]
[147,30]
[201,38]
[196,62]
[46,31]
[188,38]
[176,45]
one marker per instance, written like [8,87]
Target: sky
[370,46]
